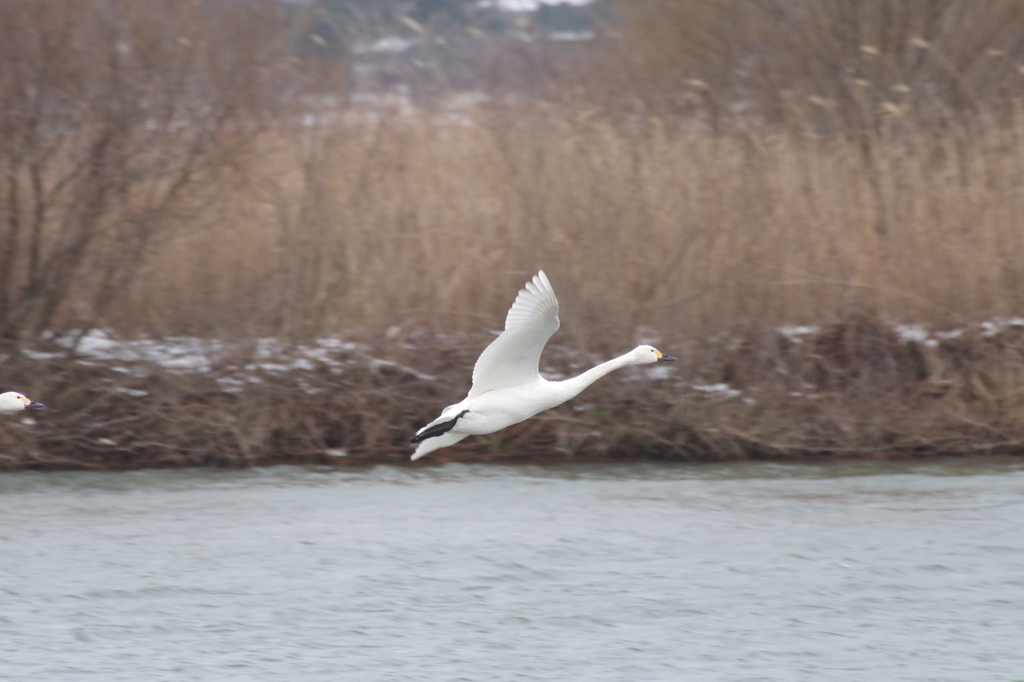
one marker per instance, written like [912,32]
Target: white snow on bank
[177,353]
[528,5]
[240,364]
[189,354]
[914,333]
[718,391]
[796,334]
[658,372]
[918,333]
[1000,324]
[192,355]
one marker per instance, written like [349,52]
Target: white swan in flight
[16,402]
[507,386]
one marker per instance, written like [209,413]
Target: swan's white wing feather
[513,358]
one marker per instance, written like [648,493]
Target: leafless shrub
[829,65]
[117,123]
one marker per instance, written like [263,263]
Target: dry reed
[409,226]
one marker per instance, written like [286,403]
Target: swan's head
[645,355]
[15,402]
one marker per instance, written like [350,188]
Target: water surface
[632,573]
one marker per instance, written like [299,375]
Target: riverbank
[855,389]
[816,217]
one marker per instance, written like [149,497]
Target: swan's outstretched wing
[513,357]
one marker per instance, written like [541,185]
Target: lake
[630,573]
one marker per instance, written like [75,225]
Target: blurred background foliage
[169,165]
[815,204]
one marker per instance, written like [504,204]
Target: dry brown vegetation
[155,206]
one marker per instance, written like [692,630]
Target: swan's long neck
[574,386]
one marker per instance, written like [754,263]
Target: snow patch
[914,333]
[658,372]
[795,333]
[1000,324]
[719,391]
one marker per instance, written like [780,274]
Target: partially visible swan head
[15,402]
[645,355]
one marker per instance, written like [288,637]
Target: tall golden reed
[412,224]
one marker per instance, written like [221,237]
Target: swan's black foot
[437,429]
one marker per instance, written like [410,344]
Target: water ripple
[840,571]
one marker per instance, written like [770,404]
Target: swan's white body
[16,402]
[507,385]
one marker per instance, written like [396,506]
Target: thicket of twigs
[700,174]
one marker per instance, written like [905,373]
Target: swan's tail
[436,428]
[436,443]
